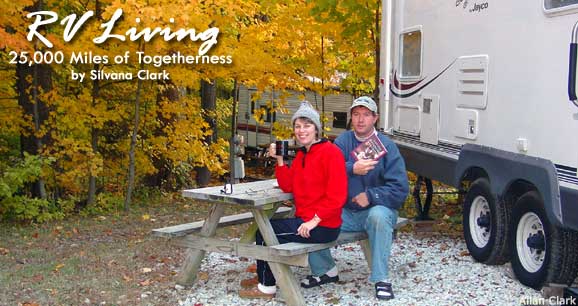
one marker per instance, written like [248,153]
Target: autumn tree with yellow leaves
[66,143]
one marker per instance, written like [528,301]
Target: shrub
[104,204]
[16,203]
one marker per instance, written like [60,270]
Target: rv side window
[554,4]
[410,54]
[339,120]
[271,115]
[268,115]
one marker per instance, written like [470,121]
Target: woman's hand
[305,229]
[272,150]
[272,153]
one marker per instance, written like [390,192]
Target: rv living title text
[43,18]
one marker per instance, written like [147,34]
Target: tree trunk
[94,131]
[232,142]
[91,178]
[93,142]
[161,164]
[208,103]
[131,154]
[32,143]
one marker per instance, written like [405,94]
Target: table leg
[249,235]
[283,274]
[188,273]
[366,248]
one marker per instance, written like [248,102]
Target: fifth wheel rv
[481,95]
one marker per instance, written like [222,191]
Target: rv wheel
[542,253]
[485,224]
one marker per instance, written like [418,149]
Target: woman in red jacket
[318,181]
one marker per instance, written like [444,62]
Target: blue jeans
[379,222]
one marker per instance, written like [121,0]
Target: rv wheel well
[515,190]
[471,175]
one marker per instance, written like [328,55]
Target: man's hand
[363,166]
[361,199]
[305,228]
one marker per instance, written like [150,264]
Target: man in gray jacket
[376,190]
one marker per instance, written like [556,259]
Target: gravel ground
[425,271]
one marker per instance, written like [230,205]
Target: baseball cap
[366,102]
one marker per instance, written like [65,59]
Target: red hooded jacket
[318,181]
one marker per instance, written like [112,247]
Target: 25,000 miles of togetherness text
[88,57]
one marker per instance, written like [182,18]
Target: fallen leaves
[165,260]
[251,268]
[57,230]
[60,255]
[58,267]
[4,251]
[37,278]
[444,246]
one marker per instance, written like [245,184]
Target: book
[371,148]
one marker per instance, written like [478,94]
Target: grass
[110,260]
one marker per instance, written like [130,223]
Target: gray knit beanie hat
[306,110]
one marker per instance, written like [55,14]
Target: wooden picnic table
[263,199]
[260,198]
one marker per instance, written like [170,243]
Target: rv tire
[485,224]
[542,253]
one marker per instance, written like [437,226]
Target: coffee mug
[228,188]
[282,147]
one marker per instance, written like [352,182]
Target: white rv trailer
[476,95]
[257,134]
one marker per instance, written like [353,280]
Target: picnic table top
[252,194]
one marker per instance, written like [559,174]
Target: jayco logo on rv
[478,7]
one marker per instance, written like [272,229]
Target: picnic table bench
[264,200]
[189,228]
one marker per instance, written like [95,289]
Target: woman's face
[305,132]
